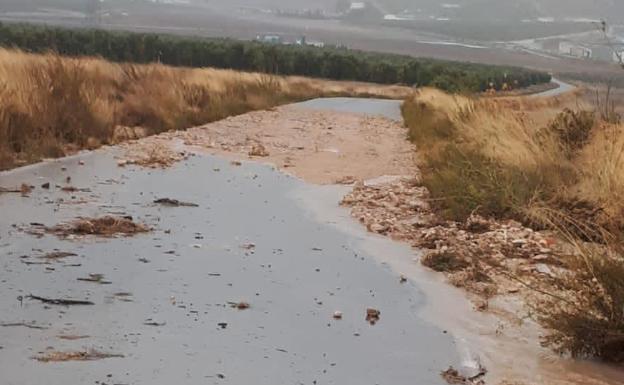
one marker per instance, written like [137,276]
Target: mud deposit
[166,315]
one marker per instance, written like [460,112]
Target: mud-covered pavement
[167,305]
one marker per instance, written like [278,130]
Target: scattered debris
[10,190]
[372,315]
[62,302]
[174,203]
[106,226]
[151,322]
[483,256]
[95,278]
[31,325]
[29,263]
[453,377]
[239,305]
[72,189]
[151,153]
[444,260]
[258,150]
[57,255]
[90,355]
[71,337]
[346,180]
[248,246]
[25,189]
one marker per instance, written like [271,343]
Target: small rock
[541,257]
[519,242]
[337,315]
[378,228]
[258,150]
[544,269]
[25,189]
[372,315]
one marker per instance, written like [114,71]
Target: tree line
[330,62]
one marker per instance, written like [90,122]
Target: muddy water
[182,275]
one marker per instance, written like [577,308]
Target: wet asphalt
[166,309]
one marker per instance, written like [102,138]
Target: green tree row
[331,62]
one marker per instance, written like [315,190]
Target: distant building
[271,39]
[575,50]
[363,11]
[317,44]
[403,16]
[288,40]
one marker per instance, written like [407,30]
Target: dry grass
[90,355]
[106,226]
[492,157]
[51,105]
[591,322]
[481,156]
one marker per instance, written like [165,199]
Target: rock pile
[484,256]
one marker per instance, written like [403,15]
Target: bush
[573,128]
[464,182]
[478,158]
[591,323]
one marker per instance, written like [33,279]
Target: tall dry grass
[479,155]
[51,105]
[492,157]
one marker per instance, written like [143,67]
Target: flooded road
[167,307]
[383,107]
[167,310]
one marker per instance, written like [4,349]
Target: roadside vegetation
[51,106]
[491,157]
[328,63]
